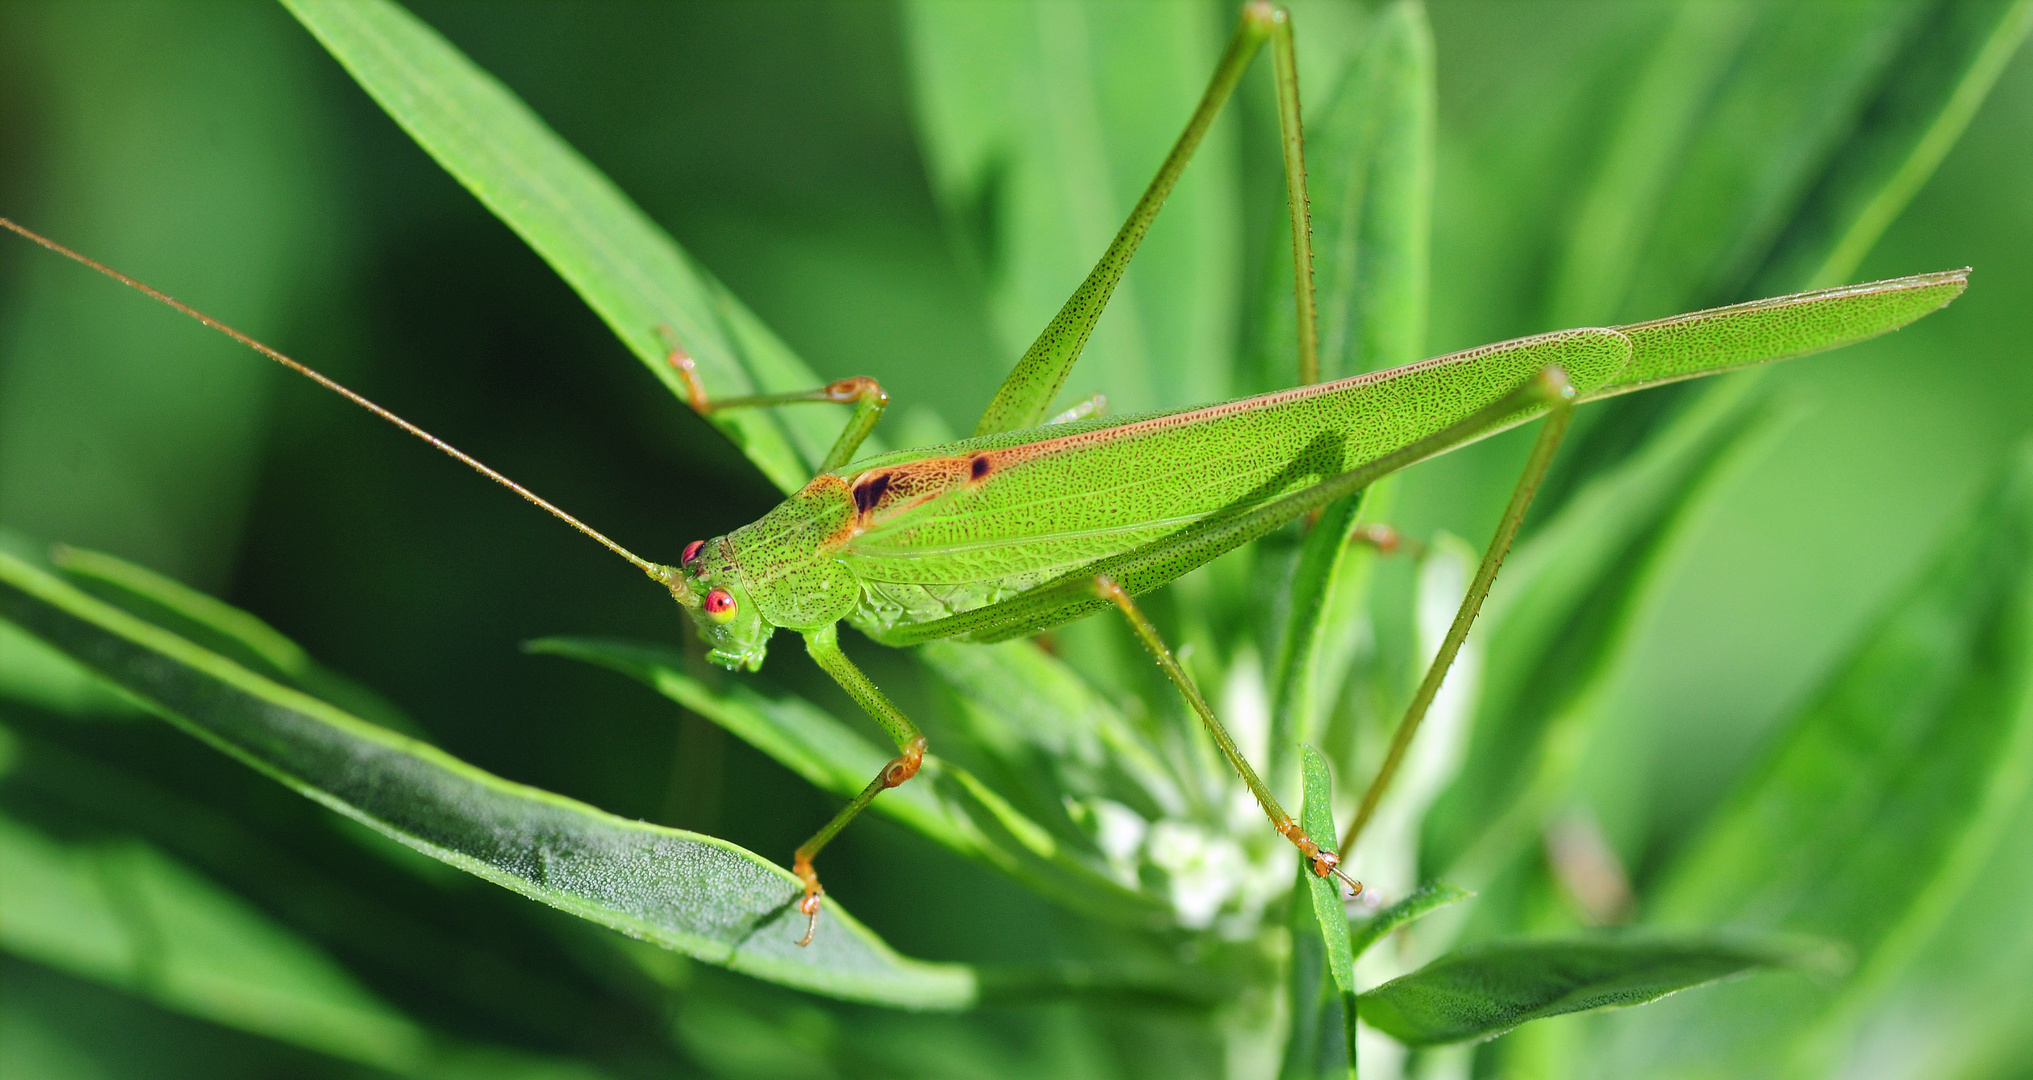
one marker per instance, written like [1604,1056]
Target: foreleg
[865,394]
[824,645]
[1323,861]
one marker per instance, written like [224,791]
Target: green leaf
[600,242]
[1780,133]
[1890,789]
[1322,978]
[122,913]
[224,629]
[1482,991]
[1944,72]
[35,674]
[1422,901]
[1040,126]
[944,803]
[1369,171]
[1043,729]
[1369,175]
[1572,601]
[1317,818]
[698,895]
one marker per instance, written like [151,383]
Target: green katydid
[1025,527]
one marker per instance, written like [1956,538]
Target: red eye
[691,554]
[719,605]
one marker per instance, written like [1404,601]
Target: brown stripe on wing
[882,492]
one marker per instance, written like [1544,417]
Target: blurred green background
[213,150]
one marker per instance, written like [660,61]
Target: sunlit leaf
[1422,901]
[1322,977]
[599,241]
[943,802]
[1890,789]
[1485,990]
[688,892]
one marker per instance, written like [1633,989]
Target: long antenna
[661,573]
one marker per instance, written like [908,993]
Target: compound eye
[720,605]
[691,554]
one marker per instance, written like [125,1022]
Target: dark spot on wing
[980,467]
[870,491]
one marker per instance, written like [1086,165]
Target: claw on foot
[678,358]
[1386,540]
[809,905]
[1324,862]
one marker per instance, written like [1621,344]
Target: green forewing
[1706,342]
[958,527]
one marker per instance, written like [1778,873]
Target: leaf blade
[1482,991]
[1422,901]
[945,803]
[1322,981]
[696,894]
[624,266]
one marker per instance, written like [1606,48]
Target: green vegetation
[1752,695]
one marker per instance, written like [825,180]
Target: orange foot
[1324,862]
[810,904]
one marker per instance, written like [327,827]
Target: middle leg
[824,646]
[1323,861]
[865,394]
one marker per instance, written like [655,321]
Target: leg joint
[858,388]
[905,767]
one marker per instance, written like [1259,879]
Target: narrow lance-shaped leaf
[1565,608]
[1322,982]
[1744,119]
[1888,792]
[1485,990]
[1043,123]
[944,803]
[599,241]
[122,913]
[1370,175]
[1946,69]
[1763,149]
[219,627]
[693,893]
[1421,902]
